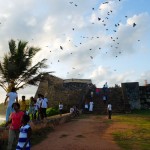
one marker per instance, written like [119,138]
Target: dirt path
[81,134]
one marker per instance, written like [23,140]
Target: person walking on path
[109,110]
[15,120]
[25,134]
[12,96]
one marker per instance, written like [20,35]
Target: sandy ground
[80,134]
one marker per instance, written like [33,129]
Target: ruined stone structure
[70,92]
[131,95]
[77,91]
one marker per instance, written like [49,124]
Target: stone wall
[53,88]
[129,96]
[145,97]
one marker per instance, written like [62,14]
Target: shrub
[52,111]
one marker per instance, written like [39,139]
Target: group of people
[19,127]
[36,107]
[74,111]
[88,107]
[18,115]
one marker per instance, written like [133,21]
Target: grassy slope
[137,135]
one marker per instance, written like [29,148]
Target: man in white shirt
[44,105]
[109,110]
[12,97]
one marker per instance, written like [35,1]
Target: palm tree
[16,66]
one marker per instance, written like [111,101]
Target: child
[60,108]
[23,104]
[24,135]
[31,107]
[15,120]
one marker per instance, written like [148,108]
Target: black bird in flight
[134,24]
[61,47]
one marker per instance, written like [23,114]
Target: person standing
[61,108]
[31,107]
[105,88]
[38,102]
[35,109]
[92,94]
[24,135]
[86,107]
[15,120]
[104,99]
[44,105]
[91,104]
[12,96]
[23,105]
[109,110]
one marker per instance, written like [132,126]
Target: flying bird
[61,47]
[134,24]
[99,19]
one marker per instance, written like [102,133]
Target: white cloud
[105,74]
[49,24]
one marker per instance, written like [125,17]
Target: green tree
[16,66]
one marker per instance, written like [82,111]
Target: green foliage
[52,111]
[17,66]
[141,112]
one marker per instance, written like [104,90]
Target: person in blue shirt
[25,134]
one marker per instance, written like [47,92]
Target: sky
[101,40]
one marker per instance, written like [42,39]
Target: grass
[136,135]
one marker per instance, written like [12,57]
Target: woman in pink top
[15,120]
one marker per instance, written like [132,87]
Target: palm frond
[16,65]
[12,47]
